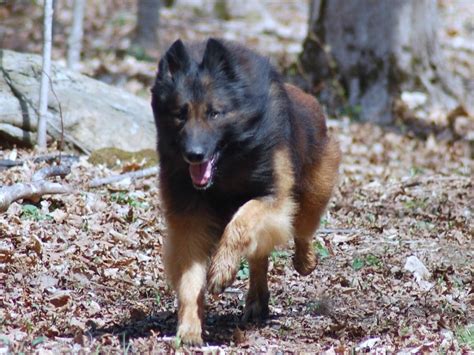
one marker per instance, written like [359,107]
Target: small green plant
[125,344]
[321,250]
[98,350]
[33,213]
[279,256]
[122,198]
[466,336]
[372,260]
[416,170]
[4,340]
[244,271]
[368,260]
[405,331]
[139,53]
[85,225]
[324,222]
[371,218]
[158,298]
[353,112]
[425,225]
[38,340]
[119,20]
[416,203]
[177,342]
[357,264]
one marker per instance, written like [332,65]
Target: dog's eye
[181,114]
[214,114]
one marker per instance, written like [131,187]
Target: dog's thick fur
[246,164]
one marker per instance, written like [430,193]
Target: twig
[339,231]
[132,175]
[61,143]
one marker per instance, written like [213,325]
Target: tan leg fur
[186,255]
[257,227]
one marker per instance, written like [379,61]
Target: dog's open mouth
[202,173]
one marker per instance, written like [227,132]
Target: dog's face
[201,108]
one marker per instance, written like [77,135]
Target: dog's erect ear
[218,58]
[175,60]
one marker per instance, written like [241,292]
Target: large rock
[95,114]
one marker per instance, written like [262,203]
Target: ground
[83,272]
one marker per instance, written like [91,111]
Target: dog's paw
[305,260]
[190,334]
[222,272]
[256,309]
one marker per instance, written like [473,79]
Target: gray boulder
[95,114]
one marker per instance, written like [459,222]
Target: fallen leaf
[60,298]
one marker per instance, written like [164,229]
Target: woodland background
[82,271]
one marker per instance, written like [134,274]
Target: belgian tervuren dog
[246,164]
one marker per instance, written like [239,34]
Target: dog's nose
[194,155]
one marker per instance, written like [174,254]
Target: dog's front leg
[186,256]
[256,228]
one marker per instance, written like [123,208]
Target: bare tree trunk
[364,53]
[75,37]
[148,13]
[45,74]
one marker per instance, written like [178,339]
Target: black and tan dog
[246,164]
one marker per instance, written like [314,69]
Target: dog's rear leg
[318,184]
[307,221]
[185,258]
[256,305]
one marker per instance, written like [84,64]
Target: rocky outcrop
[95,114]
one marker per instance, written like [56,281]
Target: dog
[246,163]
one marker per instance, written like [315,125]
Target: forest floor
[82,272]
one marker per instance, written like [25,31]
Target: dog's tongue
[201,173]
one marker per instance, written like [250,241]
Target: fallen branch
[49,171]
[31,191]
[56,158]
[7,163]
[35,189]
[132,175]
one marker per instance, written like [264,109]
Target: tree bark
[362,54]
[75,37]
[147,23]
[45,74]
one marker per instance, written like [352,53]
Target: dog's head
[202,103]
